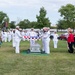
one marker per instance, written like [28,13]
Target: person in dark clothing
[70,40]
[0,41]
[74,40]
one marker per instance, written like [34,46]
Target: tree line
[67,13]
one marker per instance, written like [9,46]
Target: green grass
[58,62]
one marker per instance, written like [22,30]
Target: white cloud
[49,4]
[20,3]
[29,8]
[34,2]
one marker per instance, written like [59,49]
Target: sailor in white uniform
[5,36]
[13,39]
[55,39]
[46,40]
[18,37]
[9,36]
[32,35]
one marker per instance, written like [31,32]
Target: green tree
[12,25]
[42,21]
[68,14]
[62,24]
[33,24]
[24,24]
[3,18]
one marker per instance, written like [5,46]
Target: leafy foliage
[24,24]
[68,14]
[62,24]
[3,18]
[12,24]
[41,19]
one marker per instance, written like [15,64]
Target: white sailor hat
[17,26]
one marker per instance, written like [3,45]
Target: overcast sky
[28,9]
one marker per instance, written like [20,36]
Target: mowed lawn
[58,62]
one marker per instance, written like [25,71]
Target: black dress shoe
[28,51]
[42,52]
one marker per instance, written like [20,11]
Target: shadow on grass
[26,52]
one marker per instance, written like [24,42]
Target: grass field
[58,62]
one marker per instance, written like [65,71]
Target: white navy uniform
[9,36]
[5,36]
[45,42]
[55,40]
[32,35]
[23,34]
[18,37]
[13,39]
[27,33]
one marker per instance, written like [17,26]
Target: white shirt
[32,34]
[55,37]
[17,34]
[46,35]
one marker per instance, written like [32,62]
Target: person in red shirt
[70,40]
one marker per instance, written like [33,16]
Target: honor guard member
[13,38]
[55,39]
[32,36]
[5,36]
[46,40]
[9,36]
[23,34]
[18,37]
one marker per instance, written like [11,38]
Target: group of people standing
[45,36]
[16,35]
